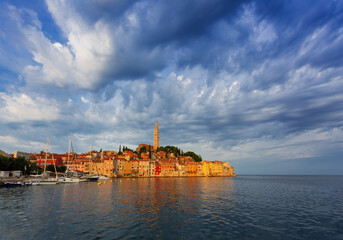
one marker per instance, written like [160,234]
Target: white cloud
[79,62]
[84,100]
[12,144]
[21,108]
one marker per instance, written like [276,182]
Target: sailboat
[45,179]
[68,178]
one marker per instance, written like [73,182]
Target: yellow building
[217,168]
[200,166]
[210,168]
[205,168]
[107,168]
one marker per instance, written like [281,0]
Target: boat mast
[68,153]
[54,164]
[46,155]
[53,160]
[90,156]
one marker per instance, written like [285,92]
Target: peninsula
[145,161]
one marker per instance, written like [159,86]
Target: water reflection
[148,207]
[162,203]
[176,208]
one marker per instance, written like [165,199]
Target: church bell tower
[156,137]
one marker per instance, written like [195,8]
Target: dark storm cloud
[181,21]
[162,30]
[208,34]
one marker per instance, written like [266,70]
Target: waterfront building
[200,166]
[95,167]
[144,168]
[210,166]
[182,169]
[192,169]
[127,168]
[156,137]
[107,167]
[134,168]
[227,169]
[119,165]
[152,168]
[205,167]
[217,168]
[168,168]
[158,169]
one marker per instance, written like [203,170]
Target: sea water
[244,207]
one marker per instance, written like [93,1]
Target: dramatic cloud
[256,83]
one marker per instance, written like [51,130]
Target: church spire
[156,137]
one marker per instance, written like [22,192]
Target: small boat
[16,184]
[71,180]
[92,178]
[103,178]
[45,181]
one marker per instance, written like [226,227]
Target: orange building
[167,168]
[127,168]
[192,169]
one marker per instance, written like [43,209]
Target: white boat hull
[51,181]
[103,178]
[70,180]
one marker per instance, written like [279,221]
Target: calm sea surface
[245,207]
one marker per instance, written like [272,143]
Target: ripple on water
[246,207]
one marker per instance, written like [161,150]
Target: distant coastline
[145,161]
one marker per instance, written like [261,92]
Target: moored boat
[71,180]
[45,178]
[103,178]
[92,178]
[16,184]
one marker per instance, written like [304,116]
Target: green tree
[196,157]
[34,168]
[170,149]
[19,163]
[142,149]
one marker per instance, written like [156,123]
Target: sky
[256,83]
